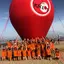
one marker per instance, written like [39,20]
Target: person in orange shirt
[33,54]
[29,48]
[57,54]
[9,44]
[9,53]
[15,51]
[52,45]
[32,46]
[29,54]
[19,54]
[24,53]
[4,54]
[29,45]
[43,50]
[48,52]
[33,50]
[38,51]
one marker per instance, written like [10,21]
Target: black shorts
[57,58]
[15,56]
[48,55]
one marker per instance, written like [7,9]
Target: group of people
[38,48]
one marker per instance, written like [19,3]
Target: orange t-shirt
[48,51]
[42,46]
[28,52]
[57,54]
[15,52]
[29,46]
[32,46]
[33,53]
[24,53]
[9,53]
[4,53]
[52,46]
[38,47]
[19,52]
[9,44]
[38,52]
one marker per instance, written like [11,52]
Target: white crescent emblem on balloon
[43,10]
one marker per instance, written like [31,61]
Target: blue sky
[10,31]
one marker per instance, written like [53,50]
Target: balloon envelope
[31,18]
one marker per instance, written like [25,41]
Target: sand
[29,62]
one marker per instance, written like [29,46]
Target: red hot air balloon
[31,18]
